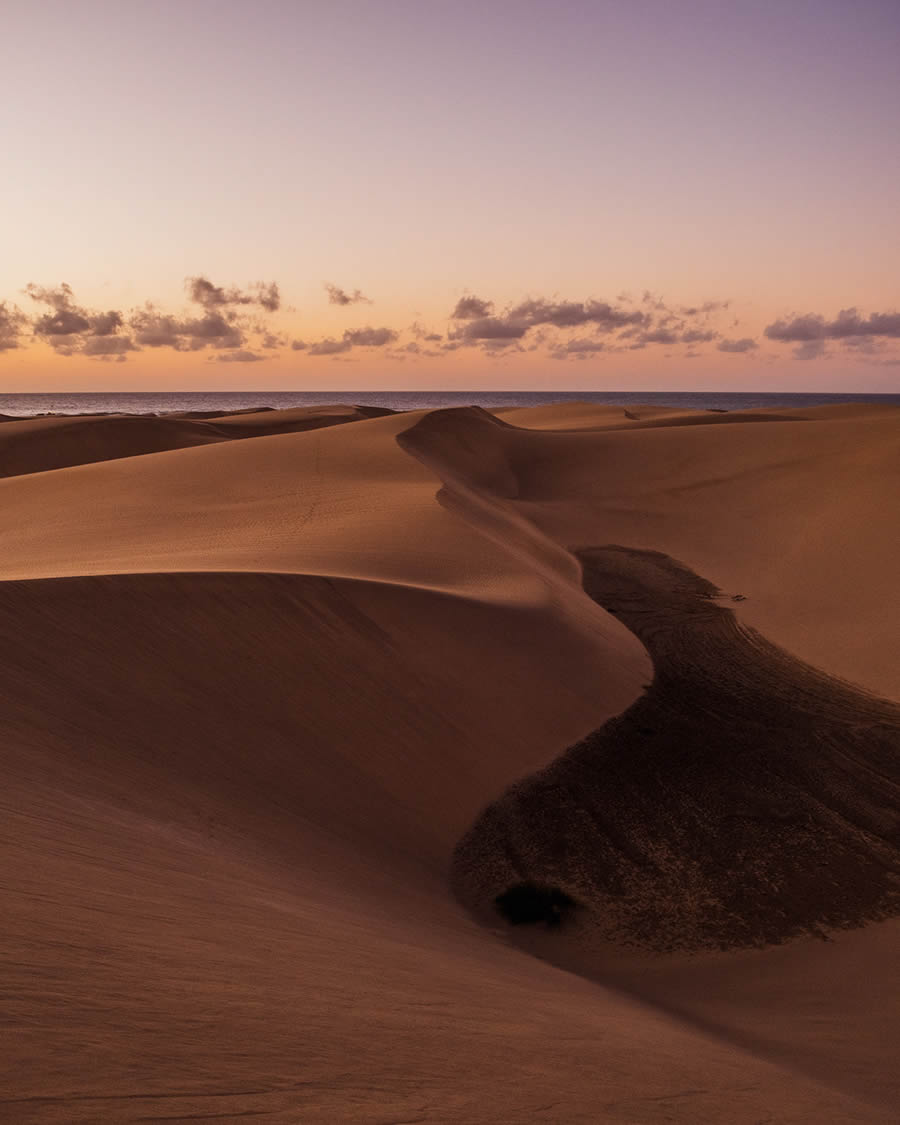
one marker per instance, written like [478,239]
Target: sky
[362,194]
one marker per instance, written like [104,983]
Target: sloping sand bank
[253,695]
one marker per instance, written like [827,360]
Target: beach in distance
[444,757]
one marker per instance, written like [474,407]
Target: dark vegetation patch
[528,903]
[746,799]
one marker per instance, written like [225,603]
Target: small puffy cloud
[154,329]
[201,291]
[579,347]
[107,347]
[810,349]
[241,355]
[472,308]
[698,336]
[299,345]
[12,324]
[354,338]
[492,328]
[370,337]
[65,318]
[846,325]
[745,344]
[659,336]
[339,296]
[329,346]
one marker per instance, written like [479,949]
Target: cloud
[71,329]
[658,336]
[354,338]
[329,346]
[810,349]
[370,337]
[299,345]
[107,347]
[847,324]
[492,328]
[579,347]
[242,355]
[201,291]
[472,308]
[12,323]
[698,336]
[339,296]
[573,314]
[704,310]
[65,317]
[155,329]
[745,344]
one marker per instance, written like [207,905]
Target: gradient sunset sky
[647,194]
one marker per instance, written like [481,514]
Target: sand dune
[35,445]
[255,693]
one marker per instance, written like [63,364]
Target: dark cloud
[339,296]
[106,346]
[154,329]
[370,337]
[65,318]
[242,355]
[573,314]
[299,345]
[539,313]
[579,347]
[698,336]
[658,336]
[106,324]
[810,349]
[745,344]
[201,291]
[472,308]
[71,329]
[355,338]
[846,325]
[492,328]
[12,324]
[329,346]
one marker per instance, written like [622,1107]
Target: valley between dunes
[286,699]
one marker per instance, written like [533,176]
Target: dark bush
[527,903]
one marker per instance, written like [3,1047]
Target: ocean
[163,402]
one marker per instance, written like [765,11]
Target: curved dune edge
[745,800]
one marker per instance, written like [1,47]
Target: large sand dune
[255,693]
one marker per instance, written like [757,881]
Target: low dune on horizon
[307,713]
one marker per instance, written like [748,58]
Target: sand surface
[257,698]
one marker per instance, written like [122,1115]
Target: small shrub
[528,903]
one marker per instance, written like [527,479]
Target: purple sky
[420,152]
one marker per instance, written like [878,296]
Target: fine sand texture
[289,698]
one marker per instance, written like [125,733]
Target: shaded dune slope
[36,445]
[745,799]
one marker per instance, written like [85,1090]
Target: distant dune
[282,717]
